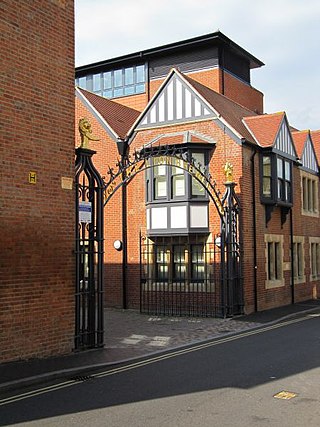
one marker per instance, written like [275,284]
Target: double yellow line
[154,359]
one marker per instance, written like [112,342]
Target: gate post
[232,301]
[89,252]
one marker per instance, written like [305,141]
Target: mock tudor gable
[306,152]
[175,102]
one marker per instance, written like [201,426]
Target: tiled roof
[299,139]
[119,117]
[229,110]
[265,128]
[315,135]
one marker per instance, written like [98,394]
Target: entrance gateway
[215,292]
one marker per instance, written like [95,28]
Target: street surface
[231,381]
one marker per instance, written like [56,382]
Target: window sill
[272,284]
[310,213]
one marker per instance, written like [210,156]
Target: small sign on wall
[85,212]
[32,177]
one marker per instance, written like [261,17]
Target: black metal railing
[89,253]
[180,276]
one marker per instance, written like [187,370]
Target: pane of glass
[96,82]
[82,82]
[107,93]
[107,80]
[129,90]
[288,191]
[305,193]
[117,78]
[179,271]
[160,170]
[140,74]
[178,254]
[128,76]
[197,272]
[161,254]
[266,165]
[266,187]
[118,92]
[197,253]
[197,188]
[280,191]
[177,171]
[280,168]
[162,272]
[287,170]
[198,158]
[160,187]
[276,260]
[140,88]
[178,184]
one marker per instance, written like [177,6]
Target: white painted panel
[179,99]
[206,112]
[197,108]
[170,100]
[198,216]
[148,218]
[159,218]
[161,108]
[178,217]
[153,116]
[188,103]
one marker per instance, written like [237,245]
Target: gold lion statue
[85,133]
[228,171]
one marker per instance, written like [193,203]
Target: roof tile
[119,117]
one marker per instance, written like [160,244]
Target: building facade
[37,266]
[195,98]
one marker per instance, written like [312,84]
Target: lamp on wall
[117,244]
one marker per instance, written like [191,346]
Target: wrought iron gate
[89,252]
[180,277]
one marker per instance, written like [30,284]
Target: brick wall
[37,220]
[107,155]
[232,87]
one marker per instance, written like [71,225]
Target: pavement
[130,335]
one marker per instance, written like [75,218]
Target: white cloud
[284,34]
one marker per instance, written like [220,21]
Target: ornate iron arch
[140,160]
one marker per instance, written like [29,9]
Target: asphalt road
[227,382]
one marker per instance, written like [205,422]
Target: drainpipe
[221,65]
[122,145]
[292,272]
[254,225]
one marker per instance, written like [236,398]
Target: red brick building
[37,267]
[196,96]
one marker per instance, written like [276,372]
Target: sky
[284,34]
